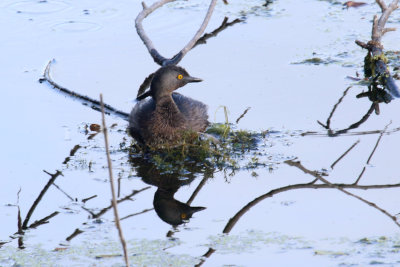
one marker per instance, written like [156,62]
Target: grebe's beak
[190,79]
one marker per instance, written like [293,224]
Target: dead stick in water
[114,200]
[157,57]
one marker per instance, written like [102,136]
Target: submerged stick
[114,200]
[95,104]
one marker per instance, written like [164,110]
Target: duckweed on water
[316,61]
[222,148]
[142,253]
[343,251]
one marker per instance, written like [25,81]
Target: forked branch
[158,58]
[202,40]
[378,27]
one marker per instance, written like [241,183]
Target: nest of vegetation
[223,148]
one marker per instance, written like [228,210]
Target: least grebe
[163,118]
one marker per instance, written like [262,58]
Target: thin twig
[113,201]
[241,116]
[128,197]
[372,153]
[225,24]
[19,219]
[310,133]
[201,29]
[44,220]
[137,213]
[89,198]
[328,121]
[197,190]
[344,154]
[74,234]
[39,198]
[19,222]
[319,177]
[206,255]
[354,125]
[65,193]
[71,153]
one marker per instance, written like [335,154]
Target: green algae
[141,253]
[316,61]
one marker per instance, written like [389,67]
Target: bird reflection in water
[169,209]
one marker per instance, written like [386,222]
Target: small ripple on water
[76,26]
[41,7]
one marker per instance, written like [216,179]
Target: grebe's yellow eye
[180,77]
[183,215]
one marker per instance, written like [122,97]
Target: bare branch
[139,29]
[201,29]
[340,188]
[158,58]
[362,44]
[225,24]
[356,124]
[39,198]
[388,30]
[232,222]
[382,4]
[378,28]
[375,30]
[376,62]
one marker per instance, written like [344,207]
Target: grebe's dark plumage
[163,118]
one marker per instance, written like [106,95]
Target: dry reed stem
[114,200]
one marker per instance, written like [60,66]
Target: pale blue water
[97,50]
